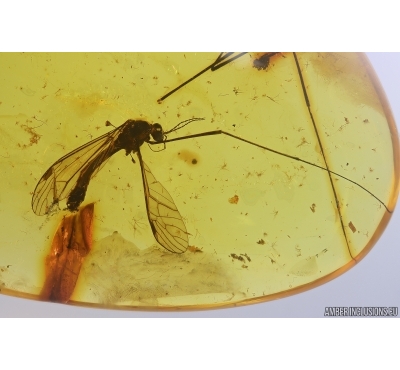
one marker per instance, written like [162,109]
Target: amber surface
[298,201]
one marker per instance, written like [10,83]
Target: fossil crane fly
[69,177]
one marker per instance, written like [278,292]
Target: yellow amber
[296,195]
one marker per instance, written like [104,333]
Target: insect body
[130,137]
[69,177]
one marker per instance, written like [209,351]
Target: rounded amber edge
[300,289]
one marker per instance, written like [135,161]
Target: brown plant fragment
[71,243]
[194,249]
[234,199]
[352,227]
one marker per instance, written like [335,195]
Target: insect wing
[165,220]
[61,178]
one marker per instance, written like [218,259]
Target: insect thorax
[133,135]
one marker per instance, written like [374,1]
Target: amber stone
[286,182]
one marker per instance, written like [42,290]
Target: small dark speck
[194,161]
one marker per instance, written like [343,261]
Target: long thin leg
[222,60]
[221,132]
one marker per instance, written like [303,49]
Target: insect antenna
[183,124]
[175,128]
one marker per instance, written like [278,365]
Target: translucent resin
[271,173]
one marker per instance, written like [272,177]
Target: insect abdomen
[76,197]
